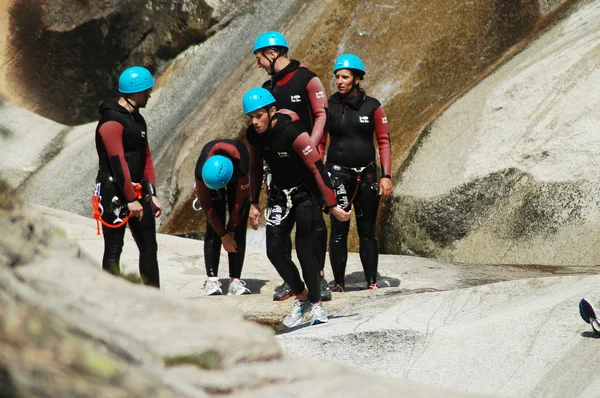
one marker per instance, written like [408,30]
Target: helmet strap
[272,63]
[135,107]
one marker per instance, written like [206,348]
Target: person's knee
[276,245]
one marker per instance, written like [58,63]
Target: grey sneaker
[238,287]
[212,287]
[283,292]
[325,292]
[318,314]
[296,314]
[588,314]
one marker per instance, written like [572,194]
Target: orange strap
[98,212]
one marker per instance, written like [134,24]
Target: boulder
[80,48]
[508,174]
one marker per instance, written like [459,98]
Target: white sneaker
[318,314]
[212,287]
[238,287]
[296,314]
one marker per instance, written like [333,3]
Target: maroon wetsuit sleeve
[318,104]
[311,158]
[323,145]
[256,174]
[243,193]
[149,174]
[203,193]
[112,137]
[383,141]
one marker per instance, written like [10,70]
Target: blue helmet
[135,80]
[217,172]
[349,61]
[257,98]
[269,39]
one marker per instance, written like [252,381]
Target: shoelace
[212,283]
[298,305]
[238,284]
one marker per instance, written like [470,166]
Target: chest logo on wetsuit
[320,94]
[295,98]
[143,134]
[384,119]
[307,150]
[282,154]
[363,119]
[245,186]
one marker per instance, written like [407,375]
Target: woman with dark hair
[354,119]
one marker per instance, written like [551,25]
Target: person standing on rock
[354,120]
[126,179]
[222,181]
[297,88]
[298,176]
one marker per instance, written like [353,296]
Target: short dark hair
[278,49]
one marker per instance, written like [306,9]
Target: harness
[116,202]
[274,212]
[358,173]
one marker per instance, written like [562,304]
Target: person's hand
[385,187]
[340,214]
[156,206]
[229,243]
[254,215]
[136,209]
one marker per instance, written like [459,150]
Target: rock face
[80,47]
[495,330]
[442,49]
[69,329]
[508,174]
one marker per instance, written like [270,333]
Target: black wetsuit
[235,196]
[124,158]
[299,89]
[351,162]
[298,177]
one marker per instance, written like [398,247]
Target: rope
[99,210]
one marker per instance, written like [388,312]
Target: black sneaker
[325,292]
[586,310]
[283,292]
[588,314]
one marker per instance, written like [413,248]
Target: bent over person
[126,178]
[298,177]
[222,181]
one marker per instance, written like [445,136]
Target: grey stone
[508,174]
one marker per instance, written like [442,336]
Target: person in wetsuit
[222,180]
[354,118]
[298,176]
[124,160]
[297,88]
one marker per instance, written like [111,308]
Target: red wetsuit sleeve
[383,141]
[243,193]
[112,137]
[149,174]
[256,173]
[318,104]
[323,145]
[312,159]
[203,193]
